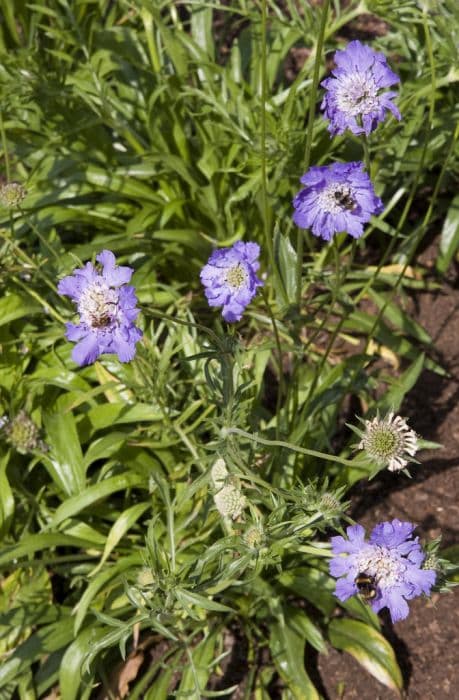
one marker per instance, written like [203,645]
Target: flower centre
[236,276]
[357,94]
[98,305]
[383,442]
[336,197]
[380,563]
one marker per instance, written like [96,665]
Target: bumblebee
[366,585]
[344,200]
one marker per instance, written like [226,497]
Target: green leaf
[70,674]
[6,499]
[392,399]
[393,313]
[285,257]
[120,527]
[287,649]
[116,413]
[94,493]
[97,583]
[198,668]
[65,461]
[13,306]
[104,447]
[46,640]
[449,241]
[370,648]
[312,584]
[299,621]
[189,598]
[35,543]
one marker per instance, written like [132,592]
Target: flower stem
[264,188]
[310,128]
[366,154]
[5,148]
[294,448]
[281,387]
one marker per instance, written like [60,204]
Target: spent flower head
[22,433]
[355,95]
[338,197]
[389,441]
[391,561]
[107,308]
[254,536]
[230,502]
[230,279]
[12,194]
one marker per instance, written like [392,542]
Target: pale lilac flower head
[392,558]
[338,197]
[355,96]
[107,308]
[229,278]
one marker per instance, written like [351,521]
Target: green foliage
[141,126]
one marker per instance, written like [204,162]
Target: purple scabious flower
[391,560]
[355,97]
[337,197]
[107,308]
[229,278]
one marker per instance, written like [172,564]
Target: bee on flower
[106,304]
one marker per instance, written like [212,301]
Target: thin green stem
[24,256]
[428,40]
[293,448]
[281,388]
[148,23]
[309,133]
[5,148]
[46,306]
[366,154]
[340,277]
[264,187]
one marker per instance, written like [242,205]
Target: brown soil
[426,642]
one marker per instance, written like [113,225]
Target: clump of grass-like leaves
[161,131]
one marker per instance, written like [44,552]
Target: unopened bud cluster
[229,499]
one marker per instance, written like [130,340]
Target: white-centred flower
[389,441]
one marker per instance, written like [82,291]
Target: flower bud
[12,194]
[230,502]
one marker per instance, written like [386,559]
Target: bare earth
[427,642]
